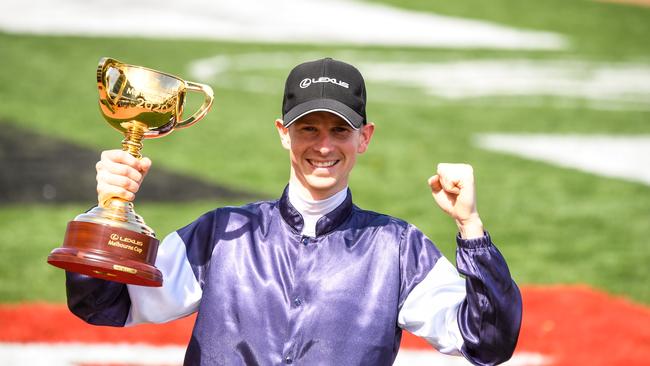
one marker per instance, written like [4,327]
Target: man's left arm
[489,318]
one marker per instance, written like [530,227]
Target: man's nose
[324,144]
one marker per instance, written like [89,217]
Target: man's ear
[284,134]
[366,134]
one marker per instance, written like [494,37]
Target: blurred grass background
[554,225]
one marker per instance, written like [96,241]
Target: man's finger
[145,165]
[120,169]
[122,157]
[106,192]
[449,185]
[434,183]
[118,181]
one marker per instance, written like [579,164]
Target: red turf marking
[577,325]
[120,364]
[574,325]
[54,323]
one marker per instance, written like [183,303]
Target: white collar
[311,210]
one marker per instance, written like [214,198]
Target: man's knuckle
[102,177]
[122,170]
[124,182]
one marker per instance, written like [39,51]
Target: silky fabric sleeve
[490,317]
[97,301]
[181,258]
[478,317]
[179,294]
[434,292]
[102,302]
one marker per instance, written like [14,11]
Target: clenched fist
[119,175]
[453,190]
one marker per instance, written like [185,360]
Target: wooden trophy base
[108,252]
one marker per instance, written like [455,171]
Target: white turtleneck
[311,210]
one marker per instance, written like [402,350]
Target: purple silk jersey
[266,295]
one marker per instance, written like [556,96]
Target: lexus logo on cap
[306,82]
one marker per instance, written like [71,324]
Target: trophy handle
[104,95]
[205,107]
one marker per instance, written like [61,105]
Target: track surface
[562,325]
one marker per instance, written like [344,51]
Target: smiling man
[311,278]
[323,149]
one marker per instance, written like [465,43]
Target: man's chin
[322,184]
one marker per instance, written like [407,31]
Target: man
[310,278]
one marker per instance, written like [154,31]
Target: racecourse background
[557,219]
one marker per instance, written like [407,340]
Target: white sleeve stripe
[180,293]
[430,310]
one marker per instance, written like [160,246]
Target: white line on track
[623,157]
[279,21]
[73,354]
[605,86]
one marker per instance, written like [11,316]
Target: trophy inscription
[111,241]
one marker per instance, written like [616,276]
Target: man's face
[323,150]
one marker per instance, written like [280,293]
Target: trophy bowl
[111,241]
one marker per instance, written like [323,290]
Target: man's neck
[312,210]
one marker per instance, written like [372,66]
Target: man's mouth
[323,164]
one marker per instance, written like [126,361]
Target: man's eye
[341,130]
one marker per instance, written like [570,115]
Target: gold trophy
[111,241]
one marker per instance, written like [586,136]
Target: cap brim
[326,105]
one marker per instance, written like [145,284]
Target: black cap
[325,85]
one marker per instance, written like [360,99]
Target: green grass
[554,225]
[31,232]
[598,30]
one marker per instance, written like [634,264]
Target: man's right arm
[102,302]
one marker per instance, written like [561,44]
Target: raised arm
[103,302]
[490,317]
[479,316]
